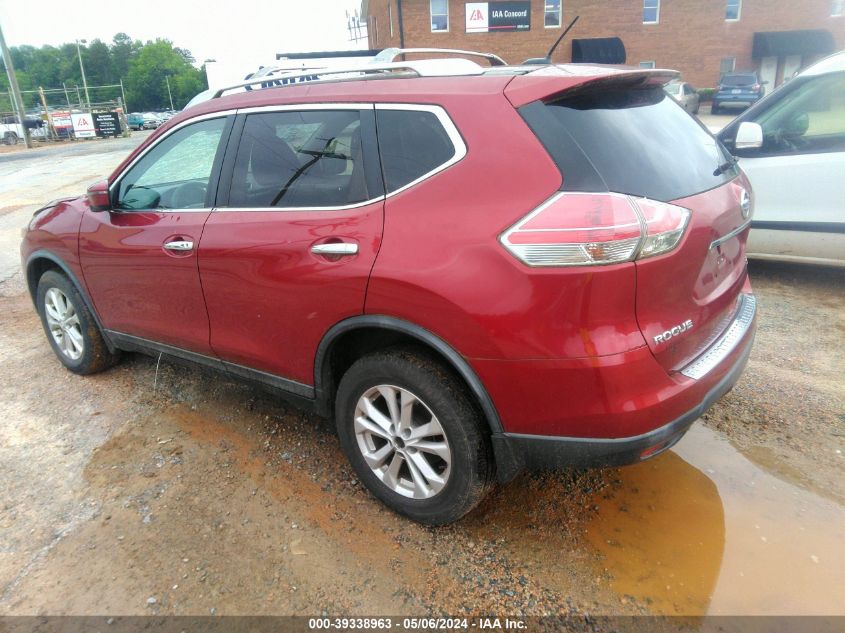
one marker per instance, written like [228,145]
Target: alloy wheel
[402,442]
[64,324]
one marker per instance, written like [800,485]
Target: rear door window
[414,145]
[302,159]
[636,141]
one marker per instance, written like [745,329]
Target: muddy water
[703,530]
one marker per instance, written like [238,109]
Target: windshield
[738,80]
[672,89]
[637,141]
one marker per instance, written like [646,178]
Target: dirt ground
[156,488]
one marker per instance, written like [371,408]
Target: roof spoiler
[552,82]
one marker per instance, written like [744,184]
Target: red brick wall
[692,35]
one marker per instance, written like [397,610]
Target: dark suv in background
[738,89]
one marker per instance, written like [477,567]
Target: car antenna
[548,58]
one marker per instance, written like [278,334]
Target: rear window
[633,141]
[413,144]
[738,80]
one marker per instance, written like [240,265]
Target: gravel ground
[156,488]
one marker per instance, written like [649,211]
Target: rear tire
[413,436]
[10,138]
[70,327]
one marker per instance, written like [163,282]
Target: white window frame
[657,14]
[837,8]
[559,15]
[650,63]
[431,15]
[722,73]
[738,11]
[390,18]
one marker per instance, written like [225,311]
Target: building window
[552,16]
[837,8]
[649,64]
[439,16]
[733,10]
[651,11]
[727,65]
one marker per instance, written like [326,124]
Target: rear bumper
[517,451]
[735,101]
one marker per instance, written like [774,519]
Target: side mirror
[749,136]
[98,196]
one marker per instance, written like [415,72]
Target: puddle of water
[703,530]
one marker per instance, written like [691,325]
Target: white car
[792,146]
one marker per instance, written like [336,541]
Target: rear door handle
[335,248]
[179,245]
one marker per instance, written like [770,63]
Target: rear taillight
[583,229]
[756,87]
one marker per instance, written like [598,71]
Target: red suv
[475,271]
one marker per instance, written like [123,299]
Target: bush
[706,94]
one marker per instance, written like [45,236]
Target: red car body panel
[462,285]
[565,352]
[137,286]
[711,278]
[55,230]
[270,299]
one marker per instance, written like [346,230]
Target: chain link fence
[64,115]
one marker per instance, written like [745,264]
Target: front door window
[175,173]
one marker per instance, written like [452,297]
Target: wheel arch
[38,263]
[350,339]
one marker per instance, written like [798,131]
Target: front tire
[413,436]
[70,327]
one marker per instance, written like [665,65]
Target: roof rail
[389,54]
[287,76]
[419,68]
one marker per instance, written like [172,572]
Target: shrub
[706,94]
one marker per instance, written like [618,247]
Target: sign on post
[107,124]
[83,125]
[490,17]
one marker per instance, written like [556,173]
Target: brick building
[702,39]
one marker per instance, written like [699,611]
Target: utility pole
[123,94]
[82,70]
[15,90]
[50,127]
[169,94]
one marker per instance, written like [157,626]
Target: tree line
[142,67]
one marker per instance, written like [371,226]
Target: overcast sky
[248,32]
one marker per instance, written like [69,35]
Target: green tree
[123,50]
[146,87]
[143,68]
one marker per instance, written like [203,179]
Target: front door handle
[335,248]
[179,245]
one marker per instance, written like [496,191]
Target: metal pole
[50,128]
[169,94]
[78,98]
[16,92]
[67,97]
[123,94]
[82,70]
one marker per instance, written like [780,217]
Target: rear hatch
[627,136]
[732,86]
